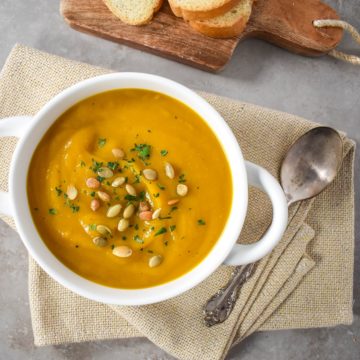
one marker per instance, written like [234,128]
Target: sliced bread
[201,9]
[138,12]
[230,24]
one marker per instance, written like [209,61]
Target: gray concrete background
[324,90]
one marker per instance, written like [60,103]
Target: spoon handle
[220,305]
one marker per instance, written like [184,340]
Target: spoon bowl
[311,163]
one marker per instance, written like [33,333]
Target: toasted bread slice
[131,12]
[230,24]
[201,9]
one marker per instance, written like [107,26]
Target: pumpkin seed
[123,224]
[155,260]
[94,204]
[105,172]
[130,189]
[99,241]
[92,183]
[181,189]
[145,215]
[118,153]
[104,196]
[113,211]
[173,201]
[169,170]
[103,230]
[144,206]
[71,192]
[156,214]
[122,251]
[150,174]
[129,211]
[118,181]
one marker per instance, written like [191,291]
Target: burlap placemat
[278,296]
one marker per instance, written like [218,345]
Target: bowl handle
[11,126]
[262,179]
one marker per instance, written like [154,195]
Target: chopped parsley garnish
[113,165]
[161,231]
[58,191]
[96,165]
[123,238]
[182,179]
[74,208]
[156,195]
[129,197]
[163,152]
[52,211]
[136,227]
[172,228]
[100,178]
[82,163]
[137,179]
[131,160]
[143,151]
[112,246]
[101,142]
[201,222]
[92,227]
[138,239]
[161,187]
[142,196]
[92,194]
[173,209]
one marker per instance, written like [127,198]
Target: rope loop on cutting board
[352,59]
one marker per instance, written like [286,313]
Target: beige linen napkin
[278,296]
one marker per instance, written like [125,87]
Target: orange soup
[130,188]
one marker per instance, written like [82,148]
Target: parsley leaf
[142,196]
[113,165]
[163,152]
[129,197]
[161,231]
[52,211]
[138,239]
[58,191]
[101,142]
[143,151]
[92,227]
[161,187]
[100,178]
[96,165]
[74,208]
[137,179]
[172,228]
[182,179]
[201,222]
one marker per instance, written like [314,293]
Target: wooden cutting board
[286,23]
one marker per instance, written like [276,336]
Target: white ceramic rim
[43,256]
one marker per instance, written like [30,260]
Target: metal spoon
[309,166]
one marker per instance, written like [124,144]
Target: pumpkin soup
[129,188]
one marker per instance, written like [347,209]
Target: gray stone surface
[323,89]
